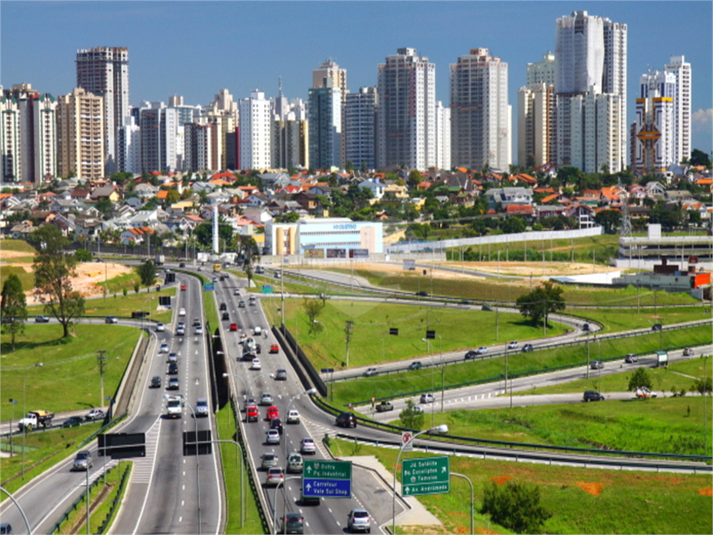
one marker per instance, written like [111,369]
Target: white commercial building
[255,131]
[480,114]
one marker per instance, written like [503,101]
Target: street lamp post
[22,512]
[472,501]
[14,402]
[442,429]
[24,412]
[198,482]
[102,362]
[274,505]
[433,379]
[145,311]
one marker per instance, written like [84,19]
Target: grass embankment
[491,369]
[581,500]
[69,377]
[370,340]
[26,276]
[615,320]
[44,450]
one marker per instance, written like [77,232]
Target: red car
[183,287]
[274,348]
[252,414]
[272,413]
[233,327]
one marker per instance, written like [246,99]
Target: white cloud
[702,119]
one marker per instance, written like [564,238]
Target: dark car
[422,294]
[591,395]
[346,419]
[223,306]
[585,327]
[73,421]
[276,423]
[173,368]
[226,316]
[471,354]
[527,348]
[417,365]
[155,382]
[656,327]
[182,264]
[293,523]
[6,529]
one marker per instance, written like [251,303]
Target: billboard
[358,253]
[314,253]
[336,253]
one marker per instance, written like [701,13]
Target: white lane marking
[184,487]
[153,468]
[183,502]
[180,518]
[184,472]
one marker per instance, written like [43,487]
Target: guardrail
[116,502]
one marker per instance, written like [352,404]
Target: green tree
[698,157]
[640,379]
[609,220]
[414,178]
[541,302]
[105,206]
[172,196]
[515,506]
[82,255]
[514,225]
[410,418]
[703,385]
[204,233]
[247,251]
[147,273]
[54,269]
[312,308]
[14,307]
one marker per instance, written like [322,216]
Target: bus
[216,267]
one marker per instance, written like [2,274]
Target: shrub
[515,506]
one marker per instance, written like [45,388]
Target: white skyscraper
[360,128]
[480,114]
[654,141]
[129,156]
[406,122]
[159,137]
[443,136]
[681,107]
[255,128]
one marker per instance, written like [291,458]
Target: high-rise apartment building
[443,136]
[681,107]
[536,128]
[654,139]
[104,71]
[45,138]
[325,126]
[329,70]
[80,135]
[480,113]
[590,63]
[360,128]
[406,116]
[160,150]
[542,72]
[129,155]
[255,131]
[290,134]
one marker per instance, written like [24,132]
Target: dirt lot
[88,274]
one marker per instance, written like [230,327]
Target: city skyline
[171,58]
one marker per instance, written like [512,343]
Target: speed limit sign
[407,441]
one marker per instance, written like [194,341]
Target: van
[309,500]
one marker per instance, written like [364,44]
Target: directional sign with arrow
[429,475]
[327,479]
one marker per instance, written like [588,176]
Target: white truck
[661,359]
[35,419]
[160,259]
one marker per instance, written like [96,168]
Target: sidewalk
[416,514]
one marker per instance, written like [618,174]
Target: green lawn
[617,320]
[581,500]
[69,377]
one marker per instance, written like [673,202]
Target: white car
[513,344]
[426,398]
[256,365]
[163,348]
[266,399]
[160,327]
[295,463]
[482,350]
[272,436]
[202,407]
[307,446]
[181,311]
[199,330]
[180,331]
[257,331]
[293,417]
[174,409]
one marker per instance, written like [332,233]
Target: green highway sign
[429,475]
[321,469]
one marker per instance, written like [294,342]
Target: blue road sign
[327,488]
[327,370]
[208,286]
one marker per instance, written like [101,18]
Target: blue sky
[195,48]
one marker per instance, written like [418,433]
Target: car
[277,275]
[307,445]
[181,311]
[384,406]
[427,398]
[196,322]
[41,319]
[225,317]
[95,414]
[272,436]
[417,365]
[252,299]
[417,409]
[183,287]
[182,265]
[656,327]
[266,399]
[281,375]
[83,460]
[180,331]
[6,529]
[215,279]
[233,327]
[181,324]
[258,348]
[222,278]
[111,319]
[236,292]
[631,358]
[422,294]
[174,408]
[527,348]
[251,414]
[359,520]
[482,350]
[276,423]
[591,395]
[163,348]
[160,327]
[155,382]
[268,461]
[272,413]
[586,327]
[172,383]
[274,476]
[688,352]
[241,304]
[223,306]
[274,348]
[370,372]
[257,330]
[172,368]
[202,407]
[486,308]
[295,463]
[293,417]
[198,330]
[597,365]
[471,354]
[172,357]
[346,419]
[644,392]
[256,364]
[72,421]
[513,344]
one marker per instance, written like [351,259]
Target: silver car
[359,520]
[272,436]
[295,463]
[83,460]
[268,460]
[202,407]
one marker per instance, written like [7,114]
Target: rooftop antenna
[279,83]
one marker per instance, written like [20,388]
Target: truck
[661,359]
[160,259]
[35,419]
[216,268]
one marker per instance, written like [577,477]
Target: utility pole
[348,329]
[102,363]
